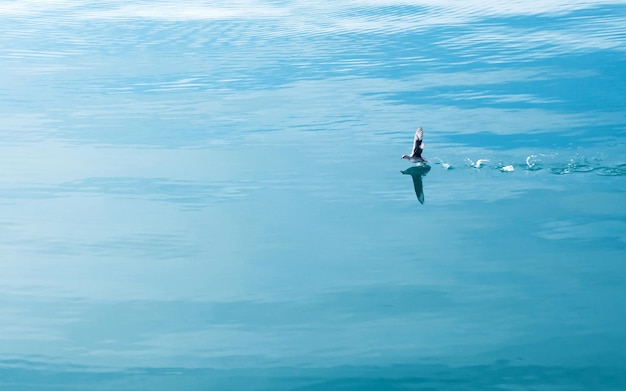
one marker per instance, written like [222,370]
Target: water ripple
[186,193]
[533,38]
[618,170]
[578,164]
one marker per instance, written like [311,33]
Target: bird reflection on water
[417,172]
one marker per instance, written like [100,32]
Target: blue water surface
[209,195]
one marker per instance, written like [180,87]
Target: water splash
[551,163]
[478,164]
[446,166]
[539,161]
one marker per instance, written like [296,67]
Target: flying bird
[418,147]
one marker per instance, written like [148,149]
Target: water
[202,196]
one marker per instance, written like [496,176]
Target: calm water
[209,195]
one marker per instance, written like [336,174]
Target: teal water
[210,196]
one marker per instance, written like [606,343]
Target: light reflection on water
[202,197]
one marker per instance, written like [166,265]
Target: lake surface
[210,196]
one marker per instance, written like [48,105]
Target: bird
[418,147]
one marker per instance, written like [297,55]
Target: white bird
[508,168]
[418,147]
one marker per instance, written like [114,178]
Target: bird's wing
[417,142]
